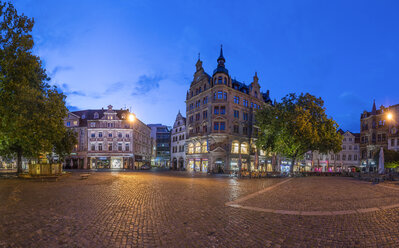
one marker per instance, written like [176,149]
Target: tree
[32,113]
[296,125]
[65,145]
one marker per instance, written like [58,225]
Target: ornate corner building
[376,131]
[221,130]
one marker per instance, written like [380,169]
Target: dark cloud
[72,108]
[58,69]
[65,89]
[146,84]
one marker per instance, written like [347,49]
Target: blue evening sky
[142,54]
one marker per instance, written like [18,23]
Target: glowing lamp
[131,117]
[389,116]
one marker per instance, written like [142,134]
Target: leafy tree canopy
[31,111]
[296,125]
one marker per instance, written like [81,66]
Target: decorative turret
[221,60]
[374,110]
[256,79]
[198,65]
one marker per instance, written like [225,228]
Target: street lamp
[389,116]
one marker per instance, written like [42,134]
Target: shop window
[244,148]
[191,148]
[197,147]
[204,147]
[235,147]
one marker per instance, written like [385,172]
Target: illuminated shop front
[110,162]
[285,166]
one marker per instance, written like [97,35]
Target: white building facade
[178,141]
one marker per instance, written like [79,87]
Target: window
[384,137]
[337,157]
[343,157]
[95,115]
[245,103]
[245,116]
[93,135]
[252,105]
[245,130]
[197,147]
[204,114]
[204,147]
[100,146]
[119,146]
[93,147]
[222,126]
[191,119]
[236,114]
[109,146]
[236,129]
[225,95]
[355,157]
[392,142]
[225,81]
[216,126]
[83,116]
[350,147]
[244,148]
[355,147]
[220,94]
[110,135]
[191,148]
[205,129]
[256,94]
[92,124]
[344,147]
[204,87]
[127,135]
[344,139]
[205,100]
[197,116]
[216,110]
[222,110]
[219,80]
[349,157]
[350,139]
[100,134]
[237,99]
[235,146]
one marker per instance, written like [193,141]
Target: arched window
[95,115]
[83,116]
[244,148]
[234,147]
[197,147]
[200,90]
[220,80]
[225,81]
[204,147]
[190,148]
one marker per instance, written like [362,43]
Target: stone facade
[178,141]
[220,111]
[377,131]
[108,139]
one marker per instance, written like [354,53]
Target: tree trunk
[292,165]
[19,162]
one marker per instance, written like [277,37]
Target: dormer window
[83,116]
[220,80]
[95,115]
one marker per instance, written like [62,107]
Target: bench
[84,176]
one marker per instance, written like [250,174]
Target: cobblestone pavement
[146,209]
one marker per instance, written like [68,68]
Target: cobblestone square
[172,209]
